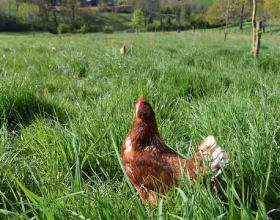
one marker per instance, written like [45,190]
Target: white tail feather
[213,153]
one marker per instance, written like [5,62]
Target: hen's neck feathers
[144,133]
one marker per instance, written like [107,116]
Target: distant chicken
[152,166]
[123,49]
[53,50]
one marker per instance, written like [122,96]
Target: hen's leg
[147,196]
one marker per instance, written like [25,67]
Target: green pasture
[64,116]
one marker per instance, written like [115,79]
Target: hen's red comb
[140,102]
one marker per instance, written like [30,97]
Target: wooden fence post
[258,39]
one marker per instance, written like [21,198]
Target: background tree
[262,14]
[185,14]
[54,10]
[272,9]
[29,14]
[137,18]
[213,15]
[197,20]
[86,15]
[43,6]
[222,11]
[149,9]
[175,6]
[102,5]
[241,17]
[71,6]
[2,15]
[243,4]
[254,12]
[65,12]
[167,21]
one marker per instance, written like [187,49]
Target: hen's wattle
[152,166]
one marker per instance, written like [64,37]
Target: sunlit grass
[65,115]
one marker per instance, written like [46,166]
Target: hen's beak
[139,113]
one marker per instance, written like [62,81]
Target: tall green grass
[65,115]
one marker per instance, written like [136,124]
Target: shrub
[130,31]
[167,21]
[63,28]
[93,28]
[108,29]
[47,26]
[150,27]
[84,29]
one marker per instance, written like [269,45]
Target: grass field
[65,115]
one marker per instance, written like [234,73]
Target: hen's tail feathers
[212,153]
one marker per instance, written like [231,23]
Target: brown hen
[122,51]
[152,166]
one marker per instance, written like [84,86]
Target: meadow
[65,115]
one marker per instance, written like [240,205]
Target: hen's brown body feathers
[153,166]
[122,51]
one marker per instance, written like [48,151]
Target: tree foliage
[185,13]
[181,13]
[29,14]
[137,18]
[272,8]
[222,11]
[149,8]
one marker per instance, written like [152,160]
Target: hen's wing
[154,170]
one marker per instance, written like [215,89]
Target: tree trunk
[10,4]
[47,14]
[73,18]
[254,24]
[54,18]
[225,37]
[258,39]
[241,17]
[45,7]
[145,21]
[263,27]
[80,16]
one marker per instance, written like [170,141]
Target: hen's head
[124,45]
[143,109]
